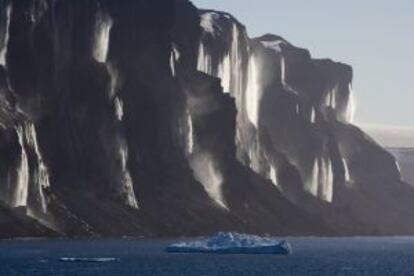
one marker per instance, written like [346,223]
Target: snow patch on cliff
[209,22]
[275,45]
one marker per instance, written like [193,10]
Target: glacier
[233,243]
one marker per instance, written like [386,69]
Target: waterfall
[229,68]
[321,180]
[126,180]
[190,134]
[114,76]
[286,86]
[312,187]
[174,57]
[43,181]
[42,172]
[27,138]
[273,175]
[102,35]
[297,109]
[127,184]
[331,97]
[224,73]
[119,108]
[327,176]
[209,176]
[253,93]
[254,157]
[283,71]
[346,171]
[350,109]
[100,53]
[176,53]
[237,74]
[224,70]
[4,43]
[397,165]
[312,118]
[172,63]
[204,63]
[22,184]
[246,89]
[215,183]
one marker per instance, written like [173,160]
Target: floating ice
[233,243]
[88,260]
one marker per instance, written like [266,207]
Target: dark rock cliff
[154,118]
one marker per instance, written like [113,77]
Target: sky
[375,37]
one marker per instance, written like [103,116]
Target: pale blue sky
[376,37]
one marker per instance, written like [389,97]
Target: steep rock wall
[150,118]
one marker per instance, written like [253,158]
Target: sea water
[130,256]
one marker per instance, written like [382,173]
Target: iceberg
[232,243]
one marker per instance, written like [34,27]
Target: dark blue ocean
[312,256]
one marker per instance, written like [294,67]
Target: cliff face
[150,117]
[294,127]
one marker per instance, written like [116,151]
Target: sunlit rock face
[98,133]
[294,115]
[145,117]
[290,110]
[281,93]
